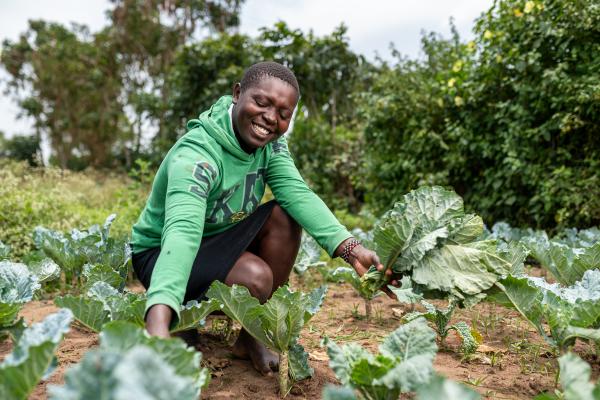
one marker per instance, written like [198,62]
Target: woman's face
[263,112]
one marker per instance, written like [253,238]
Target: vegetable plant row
[435,250]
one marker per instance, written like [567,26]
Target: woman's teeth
[260,129]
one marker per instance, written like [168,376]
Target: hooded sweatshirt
[205,185]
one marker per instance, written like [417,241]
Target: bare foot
[263,359]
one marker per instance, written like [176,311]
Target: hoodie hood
[217,123]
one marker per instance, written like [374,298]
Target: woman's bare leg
[262,269]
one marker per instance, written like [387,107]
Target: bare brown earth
[513,361]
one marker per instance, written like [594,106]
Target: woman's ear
[237,91]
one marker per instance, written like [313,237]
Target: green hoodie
[205,185]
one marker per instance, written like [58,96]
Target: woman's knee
[255,274]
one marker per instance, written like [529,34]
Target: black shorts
[215,258]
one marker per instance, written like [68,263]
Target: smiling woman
[202,221]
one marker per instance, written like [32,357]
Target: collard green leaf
[442,388]
[278,322]
[406,292]
[102,273]
[332,392]
[298,362]
[45,270]
[88,312]
[569,311]
[33,356]
[575,378]
[103,303]
[308,256]
[119,369]
[193,314]
[469,343]
[405,362]
[349,275]
[428,237]
[566,264]
[17,286]
[240,305]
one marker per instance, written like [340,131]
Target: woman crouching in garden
[202,221]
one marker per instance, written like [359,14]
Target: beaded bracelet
[347,252]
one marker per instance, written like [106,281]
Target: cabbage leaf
[276,324]
[131,364]
[569,312]
[33,356]
[404,362]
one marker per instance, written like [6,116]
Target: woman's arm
[158,320]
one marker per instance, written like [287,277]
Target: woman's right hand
[158,320]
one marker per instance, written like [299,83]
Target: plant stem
[283,374]
[368,309]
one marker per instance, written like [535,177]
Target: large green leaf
[131,364]
[566,264]
[428,238]
[277,323]
[308,256]
[575,377]
[193,313]
[103,303]
[404,362]
[33,356]
[17,286]
[442,388]
[102,273]
[569,312]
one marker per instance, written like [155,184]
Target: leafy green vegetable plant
[4,250]
[566,264]
[276,324]
[103,303]
[440,319]
[348,275]
[575,377]
[33,356]
[92,246]
[18,283]
[404,362]
[308,256]
[129,364]
[428,237]
[569,312]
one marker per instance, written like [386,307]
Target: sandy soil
[513,361]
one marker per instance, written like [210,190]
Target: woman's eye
[260,103]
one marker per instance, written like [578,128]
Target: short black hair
[255,73]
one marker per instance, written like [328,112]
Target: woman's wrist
[347,250]
[158,320]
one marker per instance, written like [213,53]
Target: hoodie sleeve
[190,177]
[295,197]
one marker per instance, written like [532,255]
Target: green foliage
[509,120]
[404,362]
[441,388]
[103,303]
[129,364]
[33,356]
[17,287]
[428,237]
[309,255]
[60,200]
[568,312]
[566,264]
[440,318]
[22,148]
[276,324]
